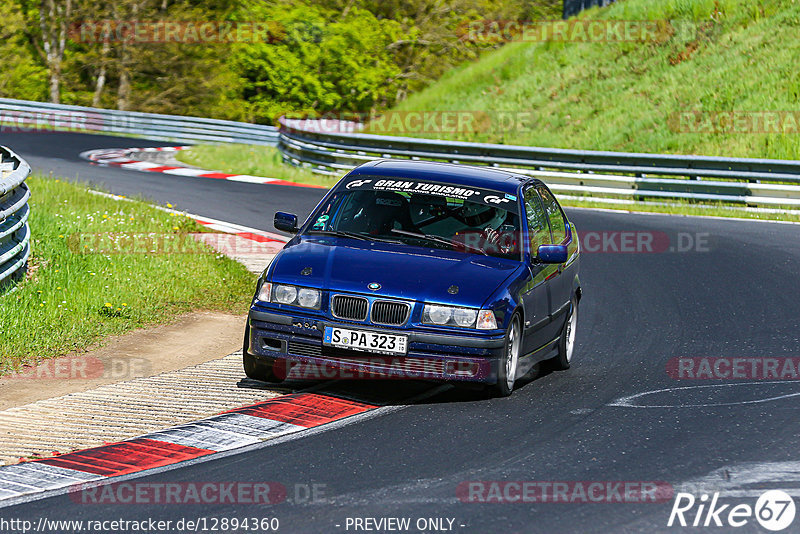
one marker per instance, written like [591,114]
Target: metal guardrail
[25,115]
[15,235]
[636,176]
[756,182]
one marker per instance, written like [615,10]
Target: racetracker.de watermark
[372,367]
[574,491]
[734,368]
[411,122]
[39,121]
[491,31]
[643,242]
[173,31]
[596,241]
[50,121]
[182,493]
[110,243]
[735,122]
[85,368]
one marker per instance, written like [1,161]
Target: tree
[322,61]
[22,75]
[322,55]
[46,29]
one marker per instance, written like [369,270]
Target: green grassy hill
[715,56]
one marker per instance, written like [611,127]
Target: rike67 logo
[774,510]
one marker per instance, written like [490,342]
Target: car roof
[448,173]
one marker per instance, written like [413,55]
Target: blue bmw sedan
[420,270]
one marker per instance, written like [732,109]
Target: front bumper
[294,344]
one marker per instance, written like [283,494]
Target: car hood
[403,271]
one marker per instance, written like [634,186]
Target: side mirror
[552,253]
[286,222]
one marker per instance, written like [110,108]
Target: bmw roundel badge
[374,286]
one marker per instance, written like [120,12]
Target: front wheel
[566,345]
[507,369]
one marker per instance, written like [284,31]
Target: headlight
[285,294]
[463,317]
[308,298]
[438,314]
[290,295]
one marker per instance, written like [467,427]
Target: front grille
[389,312]
[352,308]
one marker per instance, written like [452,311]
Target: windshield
[469,220]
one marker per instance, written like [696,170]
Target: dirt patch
[193,338]
[685,54]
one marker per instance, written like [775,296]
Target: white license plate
[365,341]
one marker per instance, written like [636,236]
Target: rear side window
[558,223]
[538,232]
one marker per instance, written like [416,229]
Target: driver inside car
[473,224]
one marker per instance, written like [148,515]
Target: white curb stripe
[219,433]
[251,179]
[51,474]
[185,444]
[43,476]
[28,478]
[208,222]
[140,165]
[186,172]
[253,426]
[225,432]
[199,436]
[16,487]
[219,227]
[125,158]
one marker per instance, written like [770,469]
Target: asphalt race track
[735,295]
[58,153]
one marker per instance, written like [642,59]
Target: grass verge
[74,296]
[255,160]
[714,58]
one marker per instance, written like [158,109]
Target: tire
[566,344]
[256,368]
[507,368]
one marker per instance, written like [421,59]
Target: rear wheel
[566,345]
[254,367]
[507,369]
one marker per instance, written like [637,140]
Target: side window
[538,232]
[556,216]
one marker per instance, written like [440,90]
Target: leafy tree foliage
[320,55]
